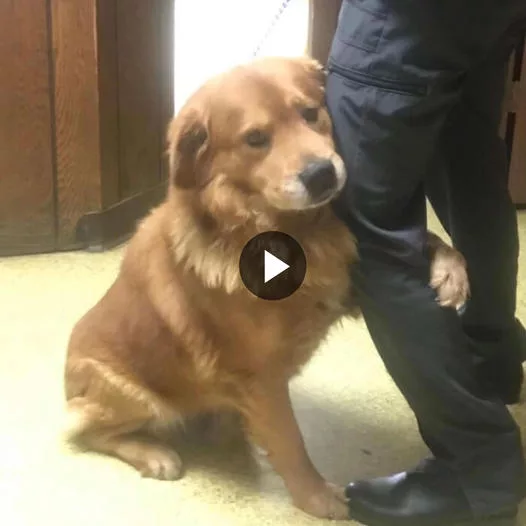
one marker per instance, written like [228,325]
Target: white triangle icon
[273,266]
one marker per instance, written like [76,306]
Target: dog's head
[260,136]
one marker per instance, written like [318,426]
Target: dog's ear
[188,140]
[313,68]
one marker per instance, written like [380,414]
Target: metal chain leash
[275,20]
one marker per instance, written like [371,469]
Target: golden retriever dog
[177,334]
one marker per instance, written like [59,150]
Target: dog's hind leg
[119,424]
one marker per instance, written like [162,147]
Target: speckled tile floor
[354,420]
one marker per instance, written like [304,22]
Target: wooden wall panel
[86,93]
[108,101]
[76,113]
[518,143]
[166,77]
[138,30]
[26,160]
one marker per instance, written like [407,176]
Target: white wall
[213,35]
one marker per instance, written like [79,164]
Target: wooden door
[145,93]
[114,92]
[86,94]
[27,194]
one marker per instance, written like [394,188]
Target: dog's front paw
[327,502]
[449,278]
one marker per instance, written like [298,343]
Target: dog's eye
[310,115]
[257,139]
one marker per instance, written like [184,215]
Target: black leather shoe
[424,497]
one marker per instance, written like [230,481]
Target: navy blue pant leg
[467,185]
[398,70]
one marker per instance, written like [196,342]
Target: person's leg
[472,201]
[393,78]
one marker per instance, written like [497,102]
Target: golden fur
[178,334]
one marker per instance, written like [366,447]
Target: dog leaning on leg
[177,334]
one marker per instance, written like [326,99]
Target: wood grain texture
[108,63]
[140,136]
[26,161]
[518,157]
[166,79]
[76,113]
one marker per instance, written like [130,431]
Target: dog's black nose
[319,178]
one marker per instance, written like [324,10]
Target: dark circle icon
[272,265]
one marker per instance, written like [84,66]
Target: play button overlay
[272,265]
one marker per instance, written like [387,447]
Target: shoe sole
[488,521]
